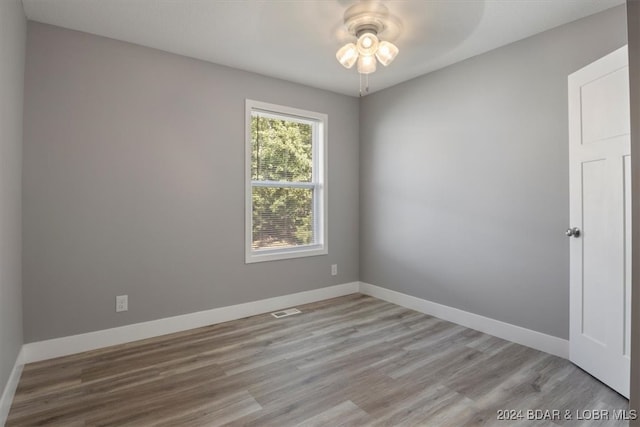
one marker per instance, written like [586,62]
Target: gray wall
[134,184]
[633,23]
[465,183]
[12,52]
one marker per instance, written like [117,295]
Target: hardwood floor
[349,361]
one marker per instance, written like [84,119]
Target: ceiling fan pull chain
[364,87]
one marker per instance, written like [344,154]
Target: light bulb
[367,44]
[386,53]
[366,64]
[347,55]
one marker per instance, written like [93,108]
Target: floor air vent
[285,313]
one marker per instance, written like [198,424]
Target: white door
[600,214]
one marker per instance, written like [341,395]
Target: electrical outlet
[122,303]
[334,269]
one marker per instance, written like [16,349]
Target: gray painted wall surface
[465,182]
[12,54]
[633,24]
[134,184]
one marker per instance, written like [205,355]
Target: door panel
[605,107]
[594,243]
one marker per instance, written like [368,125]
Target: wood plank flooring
[349,361]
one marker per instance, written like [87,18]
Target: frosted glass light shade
[366,64]
[386,53]
[347,55]
[367,44]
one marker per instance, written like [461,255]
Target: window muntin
[286,193]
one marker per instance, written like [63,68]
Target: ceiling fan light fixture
[347,55]
[366,64]
[386,53]
[367,44]
[371,25]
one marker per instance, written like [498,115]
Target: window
[285,182]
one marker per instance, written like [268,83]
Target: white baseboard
[42,350]
[539,341]
[10,388]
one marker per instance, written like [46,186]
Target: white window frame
[318,182]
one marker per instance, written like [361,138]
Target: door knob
[575,232]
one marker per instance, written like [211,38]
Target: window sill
[289,253]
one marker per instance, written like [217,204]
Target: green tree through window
[281,155]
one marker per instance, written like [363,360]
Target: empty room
[319,212]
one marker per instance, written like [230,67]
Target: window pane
[281,150]
[282,217]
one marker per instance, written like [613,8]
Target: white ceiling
[296,40]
